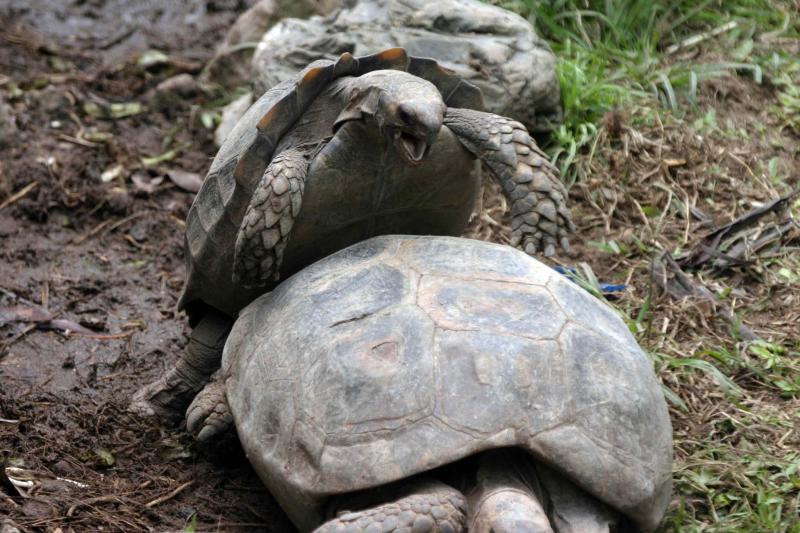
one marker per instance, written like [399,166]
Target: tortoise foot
[504,499]
[510,511]
[160,399]
[427,507]
[209,415]
[168,396]
[572,510]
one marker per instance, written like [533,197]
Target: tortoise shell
[219,207]
[401,354]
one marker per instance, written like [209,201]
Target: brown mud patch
[88,244]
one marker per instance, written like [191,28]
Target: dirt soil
[107,254]
[91,228]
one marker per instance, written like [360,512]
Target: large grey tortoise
[348,150]
[443,384]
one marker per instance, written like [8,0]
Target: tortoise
[350,149]
[448,383]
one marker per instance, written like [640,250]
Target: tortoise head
[407,111]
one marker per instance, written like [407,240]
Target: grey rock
[231,114]
[496,50]
[230,65]
[174,92]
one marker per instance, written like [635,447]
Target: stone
[231,62]
[491,47]
[231,114]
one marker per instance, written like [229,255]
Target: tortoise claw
[209,416]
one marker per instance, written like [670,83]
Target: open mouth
[410,147]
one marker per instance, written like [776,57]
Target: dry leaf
[188,181]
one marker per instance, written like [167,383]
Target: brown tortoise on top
[350,149]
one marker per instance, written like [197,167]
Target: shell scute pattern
[342,298]
[494,382]
[500,307]
[195,234]
[436,368]
[590,313]
[617,387]
[490,262]
[210,207]
[377,374]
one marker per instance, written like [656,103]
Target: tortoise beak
[410,147]
[418,127]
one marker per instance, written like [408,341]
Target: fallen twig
[92,501]
[700,37]
[112,336]
[109,224]
[19,195]
[170,495]
[667,274]
[42,318]
[78,141]
[708,247]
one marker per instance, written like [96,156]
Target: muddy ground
[107,255]
[91,235]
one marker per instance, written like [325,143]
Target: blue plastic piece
[606,288]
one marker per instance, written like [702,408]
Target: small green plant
[612,53]
[191,525]
[628,68]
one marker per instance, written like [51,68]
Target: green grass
[612,53]
[734,403]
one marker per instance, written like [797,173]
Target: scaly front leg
[540,217]
[270,216]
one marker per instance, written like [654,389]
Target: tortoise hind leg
[572,510]
[209,415]
[168,396]
[514,495]
[502,500]
[423,506]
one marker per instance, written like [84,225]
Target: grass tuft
[614,52]
[679,117]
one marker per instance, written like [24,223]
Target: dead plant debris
[83,237]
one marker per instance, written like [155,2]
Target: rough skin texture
[432,507]
[510,510]
[209,415]
[169,395]
[540,217]
[507,495]
[270,217]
